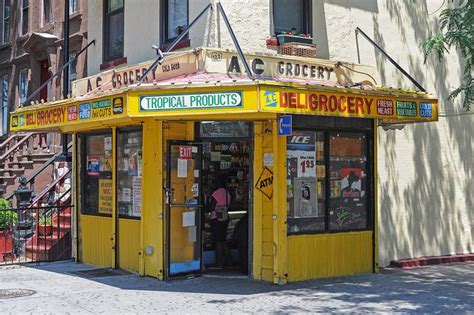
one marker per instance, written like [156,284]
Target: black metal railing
[37,233]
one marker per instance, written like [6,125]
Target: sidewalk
[54,288]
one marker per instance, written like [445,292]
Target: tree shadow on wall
[432,214]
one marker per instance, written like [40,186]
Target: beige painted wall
[426,203]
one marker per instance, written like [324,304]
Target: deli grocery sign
[69,113]
[348,105]
[191,101]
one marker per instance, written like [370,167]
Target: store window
[46,11]
[327,182]
[129,173]
[23,85]
[224,129]
[96,160]
[5,111]
[113,29]
[24,17]
[292,16]
[6,22]
[306,182]
[73,6]
[175,17]
[348,181]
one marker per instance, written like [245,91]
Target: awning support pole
[159,60]
[235,41]
[418,85]
[57,73]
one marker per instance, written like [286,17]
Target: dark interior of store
[227,162]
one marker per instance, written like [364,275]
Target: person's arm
[212,204]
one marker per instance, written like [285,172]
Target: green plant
[8,218]
[45,220]
[456,31]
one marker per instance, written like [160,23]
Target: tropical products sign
[54,116]
[230,99]
[348,105]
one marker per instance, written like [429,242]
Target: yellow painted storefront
[140,245]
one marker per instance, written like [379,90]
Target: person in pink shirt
[219,205]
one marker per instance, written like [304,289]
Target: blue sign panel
[285,125]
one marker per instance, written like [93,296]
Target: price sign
[306,166]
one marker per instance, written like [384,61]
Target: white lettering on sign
[190,101]
[185,152]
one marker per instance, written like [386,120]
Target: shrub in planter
[45,225]
[8,218]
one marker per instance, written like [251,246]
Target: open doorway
[226,167]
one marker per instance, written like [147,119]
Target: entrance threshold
[224,275]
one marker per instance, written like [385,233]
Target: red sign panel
[185,152]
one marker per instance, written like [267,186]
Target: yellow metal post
[74,199]
[376,200]
[279,207]
[257,203]
[114,196]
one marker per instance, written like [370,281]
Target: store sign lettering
[325,103]
[64,114]
[346,105]
[190,101]
[288,69]
[385,107]
[426,109]
[406,108]
[50,116]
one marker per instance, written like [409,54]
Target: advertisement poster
[302,151]
[108,143]
[137,195]
[126,195]
[93,166]
[351,182]
[105,196]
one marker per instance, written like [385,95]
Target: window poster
[301,150]
[137,195]
[108,143]
[93,166]
[351,182]
[105,196]
[126,195]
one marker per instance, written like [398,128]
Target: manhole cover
[15,293]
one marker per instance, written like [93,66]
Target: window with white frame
[5,109]
[6,22]
[292,16]
[73,6]
[24,17]
[23,85]
[72,70]
[46,11]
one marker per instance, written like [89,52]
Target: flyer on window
[93,166]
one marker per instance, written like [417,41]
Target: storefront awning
[194,92]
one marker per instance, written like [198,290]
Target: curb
[433,260]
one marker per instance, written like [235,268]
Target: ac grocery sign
[348,105]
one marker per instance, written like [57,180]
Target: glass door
[184,206]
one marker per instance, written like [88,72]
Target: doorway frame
[251,141]
[167,256]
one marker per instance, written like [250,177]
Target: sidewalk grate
[15,293]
